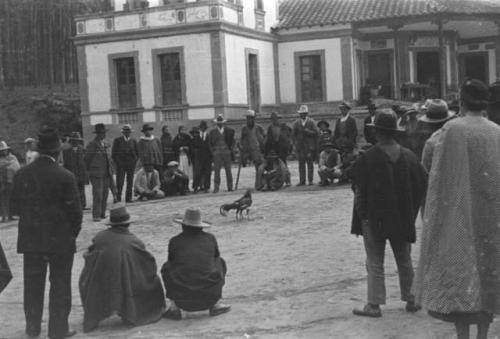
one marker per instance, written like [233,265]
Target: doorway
[475,66]
[379,72]
[429,72]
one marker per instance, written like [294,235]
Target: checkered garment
[459,267]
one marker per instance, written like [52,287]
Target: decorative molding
[314,35]
[219,69]
[83,78]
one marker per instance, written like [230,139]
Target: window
[170,72]
[126,82]
[259,5]
[128,118]
[310,79]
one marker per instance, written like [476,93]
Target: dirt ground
[294,271]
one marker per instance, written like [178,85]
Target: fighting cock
[240,205]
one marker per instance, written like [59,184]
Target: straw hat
[127,127]
[250,113]
[192,218]
[4,146]
[220,119]
[303,109]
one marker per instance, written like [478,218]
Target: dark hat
[474,91]
[75,136]
[192,218]
[147,127]
[323,122]
[203,123]
[386,121]
[119,216]
[371,106]
[220,119]
[48,141]
[99,128]
[436,111]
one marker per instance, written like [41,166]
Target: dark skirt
[463,317]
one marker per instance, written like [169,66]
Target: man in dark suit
[73,161]
[221,142]
[46,198]
[305,135]
[124,154]
[368,130]
[100,171]
[205,158]
[345,132]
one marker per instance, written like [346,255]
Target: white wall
[249,13]
[333,65]
[236,69]
[198,69]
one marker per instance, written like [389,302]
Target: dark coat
[120,276]
[182,140]
[167,148]
[74,162]
[214,135]
[305,137]
[279,143]
[98,159]
[199,150]
[369,131]
[389,194]
[194,273]
[349,137]
[46,199]
[124,153]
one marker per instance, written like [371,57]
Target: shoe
[412,307]
[70,333]
[173,314]
[128,201]
[219,309]
[368,311]
[32,331]
[301,184]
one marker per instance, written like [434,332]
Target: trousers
[305,158]
[81,191]
[35,272]
[121,173]
[222,159]
[100,191]
[375,252]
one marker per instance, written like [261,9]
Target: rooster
[240,205]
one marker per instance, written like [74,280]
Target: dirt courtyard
[294,271]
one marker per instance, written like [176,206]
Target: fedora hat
[119,216]
[345,105]
[436,111]
[203,124]
[303,109]
[29,140]
[99,128]
[4,146]
[220,119]
[147,127]
[173,163]
[192,217]
[75,136]
[323,122]
[48,141]
[127,127]
[386,121]
[371,106]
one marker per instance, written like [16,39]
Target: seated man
[119,277]
[147,183]
[174,180]
[329,164]
[272,174]
[194,273]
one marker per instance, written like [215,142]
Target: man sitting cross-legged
[147,183]
[174,180]
[329,164]
[195,272]
[272,174]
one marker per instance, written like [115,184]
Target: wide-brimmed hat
[29,140]
[250,113]
[220,119]
[127,127]
[173,163]
[345,104]
[203,124]
[99,128]
[75,136]
[119,216]
[303,109]
[147,127]
[386,121]
[192,218]
[436,111]
[49,141]
[323,122]
[4,146]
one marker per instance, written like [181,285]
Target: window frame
[248,52]
[298,79]
[113,79]
[158,87]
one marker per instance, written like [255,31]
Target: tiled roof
[301,13]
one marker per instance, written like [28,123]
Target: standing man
[346,132]
[124,154]
[390,184]
[368,130]
[47,201]
[73,161]
[205,158]
[99,167]
[305,135]
[252,142]
[149,148]
[221,142]
[167,146]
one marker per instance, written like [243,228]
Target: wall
[333,65]
[237,73]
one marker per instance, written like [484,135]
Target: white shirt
[342,119]
[221,130]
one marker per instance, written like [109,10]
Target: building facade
[179,62]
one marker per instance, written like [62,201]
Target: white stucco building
[181,61]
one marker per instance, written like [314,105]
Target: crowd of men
[416,159]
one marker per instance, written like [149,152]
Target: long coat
[120,276]
[150,151]
[252,149]
[305,137]
[346,138]
[214,136]
[194,273]
[124,152]
[278,140]
[98,159]
[74,162]
[46,198]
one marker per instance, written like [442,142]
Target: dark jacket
[348,138]
[46,199]
[120,276]
[98,159]
[369,131]
[74,162]
[167,148]
[214,135]
[124,153]
[194,273]
[389,194]
[182,140]
[305,137]
[279,142]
